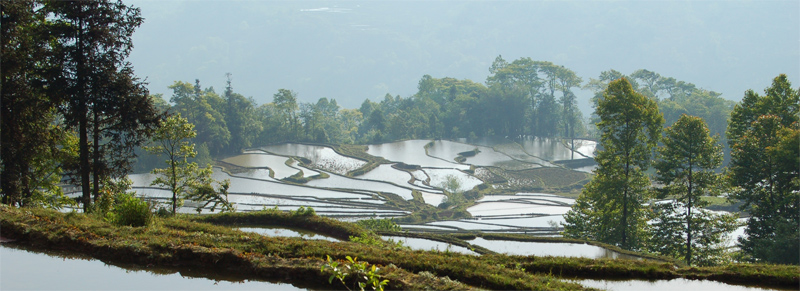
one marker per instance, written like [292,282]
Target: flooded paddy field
[428,245]
[263,160]
[321,157]
[412,152]
[421,169]
[668,285]
[286,232]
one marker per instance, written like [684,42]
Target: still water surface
[22,269]
[665,285]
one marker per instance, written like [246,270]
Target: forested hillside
[523,97]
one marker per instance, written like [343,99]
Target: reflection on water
[321,157]
[336,181]
[276,231]
[427,245]
[23,269]
[547,148]
[411,152]
[548,249]
[664,285]
[276,163]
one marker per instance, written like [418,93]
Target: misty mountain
[353,50]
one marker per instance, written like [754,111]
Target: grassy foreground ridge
[194,241]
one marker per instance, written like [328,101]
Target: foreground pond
[32,270]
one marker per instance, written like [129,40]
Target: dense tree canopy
[72,58]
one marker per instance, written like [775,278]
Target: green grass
[184,241]
[190,240]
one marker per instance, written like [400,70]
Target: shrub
[304,211]
[131,211]
[386,224]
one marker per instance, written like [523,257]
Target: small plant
[130,210]
[367,239]
[366,275]
[304,211]
[386,224]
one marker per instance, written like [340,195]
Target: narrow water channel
[24,269]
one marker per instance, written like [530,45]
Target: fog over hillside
[353,50]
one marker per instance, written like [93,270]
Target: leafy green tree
[29,139]
[286,104]
[240,117]
[173,140]
[206,110]
[708,231]
[105,102]
[685,166]
[208,195]
[763,135]
[612,201]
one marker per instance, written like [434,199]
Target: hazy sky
[353,50]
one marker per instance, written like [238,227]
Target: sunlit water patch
[486,156]
[438,178]
[321,157]
[386,173]
[667,285]
[584,147]
[550,149]
[336,181]
[276,163]
[29,270]
[515,208]
[432,198]
[515,151]
[411,152]
[471,225]
[523,204]
[275,231]
[428,245]
[547,249]
[245,186]
[448,150]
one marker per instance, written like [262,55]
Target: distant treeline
[523,97]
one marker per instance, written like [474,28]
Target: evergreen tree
[105,102]
[685,166]
[29,140]
[630,125]
[763,136]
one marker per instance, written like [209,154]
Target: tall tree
[567,79]
[286,104]
[29,150]
[93,38]
[240,116]
[763,134]
[206,110]
[172,139]
[630,125]
[685,166]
